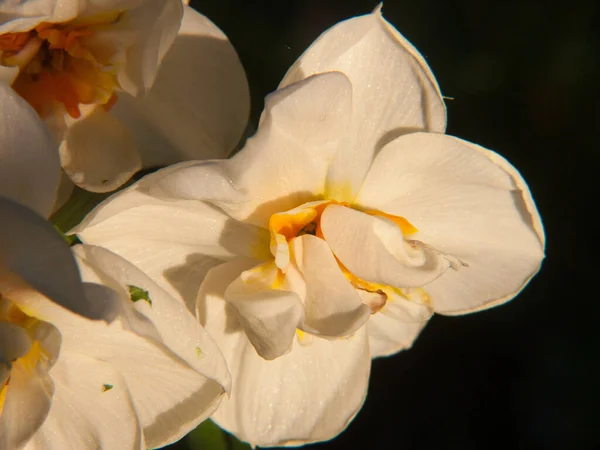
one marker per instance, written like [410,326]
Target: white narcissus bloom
[124,83]
[81,365]
[333,236]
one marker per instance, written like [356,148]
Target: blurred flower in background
[332,237]
[93,354]
[124,84]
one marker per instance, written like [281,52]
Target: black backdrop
[524,375]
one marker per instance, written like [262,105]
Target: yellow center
[56,68]
[306,219]
[9,312]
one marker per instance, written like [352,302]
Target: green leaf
[137,293]
[208,436]
[71,213]
[71,239]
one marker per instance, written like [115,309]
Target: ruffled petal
[27,152]
[91,408]
[333,308]
[393,90]
[127,44]
[199,104]
[375,249]
[174,242]
[268,316]
[298,135]
[310,394]
[99,153]
[466,201]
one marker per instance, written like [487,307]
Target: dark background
[523,77]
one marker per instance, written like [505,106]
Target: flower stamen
[57,69]
[306,219]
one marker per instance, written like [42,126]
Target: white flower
[333,236]
[124,83]
[81,365]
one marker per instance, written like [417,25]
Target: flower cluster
[254,290]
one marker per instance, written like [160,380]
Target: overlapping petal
[299,134]
[393,92]
[374,249]
[174,242]
[268,316]
[199,104]
[466,202]
[140,53]
[172,370]
[52,272]
[333,308]
[309,394]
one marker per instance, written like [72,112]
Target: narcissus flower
[333,236]
[107,361]
[124,83]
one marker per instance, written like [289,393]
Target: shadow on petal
[198,107]
[187,278]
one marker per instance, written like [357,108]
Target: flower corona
[57,67]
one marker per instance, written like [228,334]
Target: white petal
[29,163]
[34,256]
[375,250]
[99,153]
[91,408]
[178,329]
[199,104]
[269,316]
[128,44]
[27,402]
[298,135]
[333,308]
[213,311]
[199,180]
[393,91]
[388,336]
[307,395]
[200,383]
[466,201]
[174,242]
[170,396]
